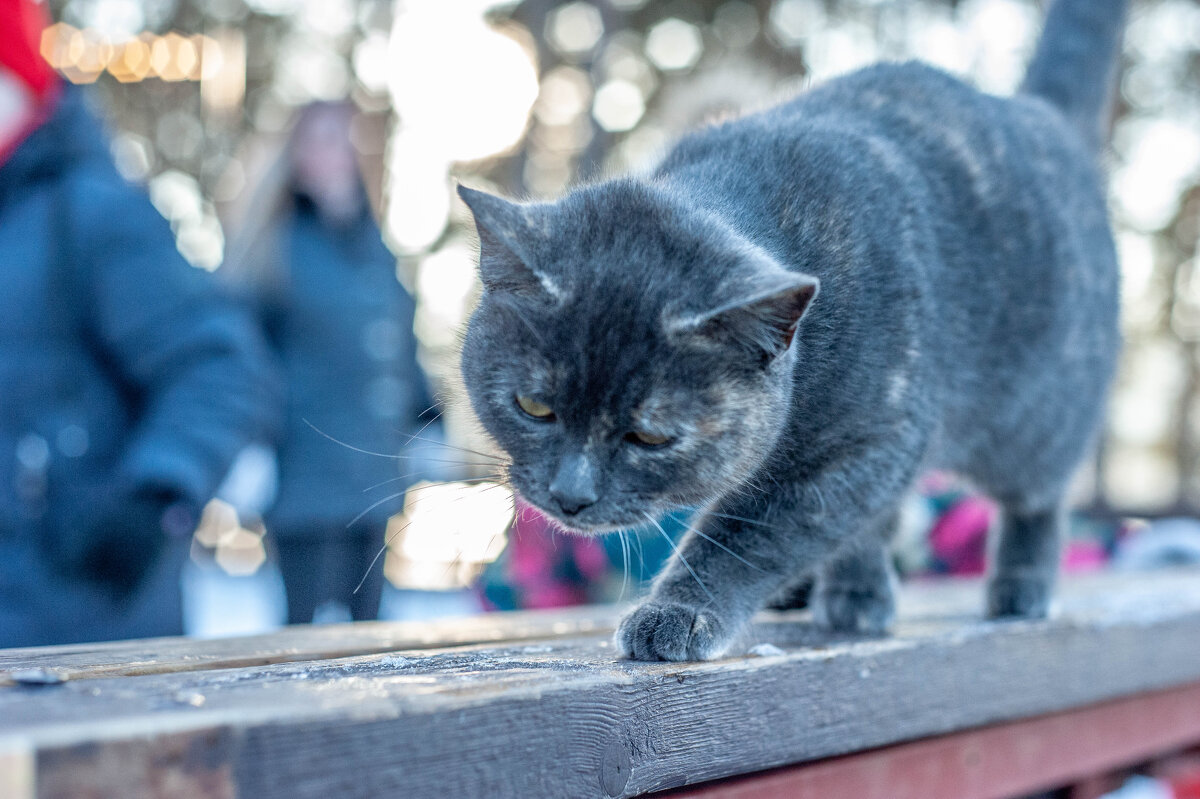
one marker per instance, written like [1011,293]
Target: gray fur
[966,319]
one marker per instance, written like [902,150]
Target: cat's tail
[1076,60]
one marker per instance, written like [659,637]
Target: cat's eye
[647,439]
[537,410]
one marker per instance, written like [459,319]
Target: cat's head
[630,355]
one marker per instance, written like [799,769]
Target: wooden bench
[536,705]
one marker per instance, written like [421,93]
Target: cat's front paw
[671,631]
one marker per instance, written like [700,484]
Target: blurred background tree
[528,97]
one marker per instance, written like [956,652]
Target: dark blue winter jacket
[342,325]
[120,364]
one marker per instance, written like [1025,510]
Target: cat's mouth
[572,524]
[579,527]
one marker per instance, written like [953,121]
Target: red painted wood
[997,762]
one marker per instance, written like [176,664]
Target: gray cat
[796,314]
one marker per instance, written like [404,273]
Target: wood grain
[295,644]
[1004,760]
[562,716]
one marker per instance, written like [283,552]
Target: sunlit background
[525,98]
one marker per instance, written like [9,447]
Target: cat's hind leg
[1027,470]
[855,589]
[1024,562]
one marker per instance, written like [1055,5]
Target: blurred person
[311,261]
[128,381]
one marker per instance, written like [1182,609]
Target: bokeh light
[493,92]
[447,533]
[238,550]
[793,21]
[674,44]
[468,108]
[575,28]
[82,55]
[618,105]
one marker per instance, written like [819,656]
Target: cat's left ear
[765,320]
[509,235]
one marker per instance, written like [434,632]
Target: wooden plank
[308,642]
[564,717]
[1005,760]
[295,644]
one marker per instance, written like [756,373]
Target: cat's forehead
[637,263]
[665,402]
[632,376]
[625,220]
[542,374]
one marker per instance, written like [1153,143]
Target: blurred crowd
[165,425]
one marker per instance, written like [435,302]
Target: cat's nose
[573,487]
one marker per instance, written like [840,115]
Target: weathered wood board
[298,643]
[1000,761]
[560,715]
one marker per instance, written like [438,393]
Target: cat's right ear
[509,235]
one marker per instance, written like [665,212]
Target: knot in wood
[615,765]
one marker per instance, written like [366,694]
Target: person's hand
[123,544]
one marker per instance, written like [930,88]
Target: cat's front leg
[726,568]
[706,594]
[741,554]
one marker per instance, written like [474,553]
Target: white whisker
[741,519]
[386,543]
[625,553]
[417,437]
[637,539]
[441,482]
[682,559]
[717,543]
[373,506]
[495,459]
